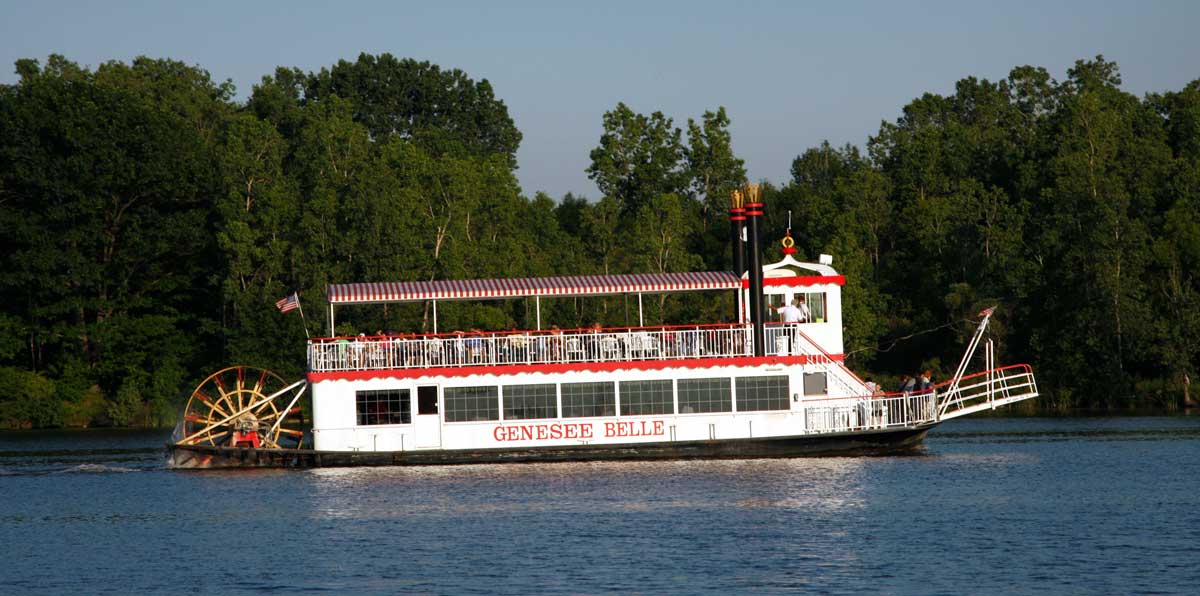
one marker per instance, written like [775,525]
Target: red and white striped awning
[520,287]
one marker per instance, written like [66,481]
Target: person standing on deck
[805,315]
[793,313]
[789,313]
[923,383]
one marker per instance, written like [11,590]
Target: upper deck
[816,283]
[571,346]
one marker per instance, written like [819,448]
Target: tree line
[150,221]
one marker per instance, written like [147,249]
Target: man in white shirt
[793,314]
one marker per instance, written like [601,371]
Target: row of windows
[585,400]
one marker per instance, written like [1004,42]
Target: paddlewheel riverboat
[746,389]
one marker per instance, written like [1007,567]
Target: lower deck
[590,408]
[882,441]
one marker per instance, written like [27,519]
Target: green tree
[639,158]
[107,179]
[442,111]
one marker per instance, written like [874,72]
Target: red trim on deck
[801,281]
[467,371]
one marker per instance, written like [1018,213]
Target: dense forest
[150,221]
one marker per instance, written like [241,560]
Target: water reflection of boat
[728,390]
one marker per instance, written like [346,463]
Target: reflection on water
[995,506]
[814,484]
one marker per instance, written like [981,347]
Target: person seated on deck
[434,350]
[518,345]
[594,341]
[341,347]
[376,348]
[475,346]
[460,347]
[356,350]
[555,344]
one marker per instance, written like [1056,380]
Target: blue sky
[790,74]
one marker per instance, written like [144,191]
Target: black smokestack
[737,225]
[754,212]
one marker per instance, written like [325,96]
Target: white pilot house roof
[540,287]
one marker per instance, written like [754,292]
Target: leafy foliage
[150,222]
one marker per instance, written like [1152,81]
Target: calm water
[992,506]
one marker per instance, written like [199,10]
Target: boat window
[704,395]
[470,404]
[755,394]
[643,398]
[816,307]
[580,400]
[389,406]
[427,402]
[526,402]
[815,384]
[773,302]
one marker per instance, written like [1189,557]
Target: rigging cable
[892,344]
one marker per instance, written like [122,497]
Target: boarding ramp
[987,391]
[966,394]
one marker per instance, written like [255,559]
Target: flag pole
[302,319]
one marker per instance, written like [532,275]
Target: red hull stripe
[803,280]
[467,371]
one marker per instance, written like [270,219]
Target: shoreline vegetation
[150,222]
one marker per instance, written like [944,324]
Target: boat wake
[95,469]
[86,468]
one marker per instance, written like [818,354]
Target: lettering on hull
[577,430]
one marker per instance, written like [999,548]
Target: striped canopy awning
[520,287]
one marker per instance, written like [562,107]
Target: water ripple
[992,506]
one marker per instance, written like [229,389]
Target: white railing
[790,340]
[869,413]
[493,349]
[987,390]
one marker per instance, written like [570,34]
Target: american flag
[290,303]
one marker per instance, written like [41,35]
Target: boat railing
[877,412]
[986,390]
[790,340]
[525,348]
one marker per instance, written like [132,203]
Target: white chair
[575,349]
[610,349]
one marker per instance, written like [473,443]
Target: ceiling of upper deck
[520,287]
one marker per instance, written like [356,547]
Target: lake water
[991,506]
